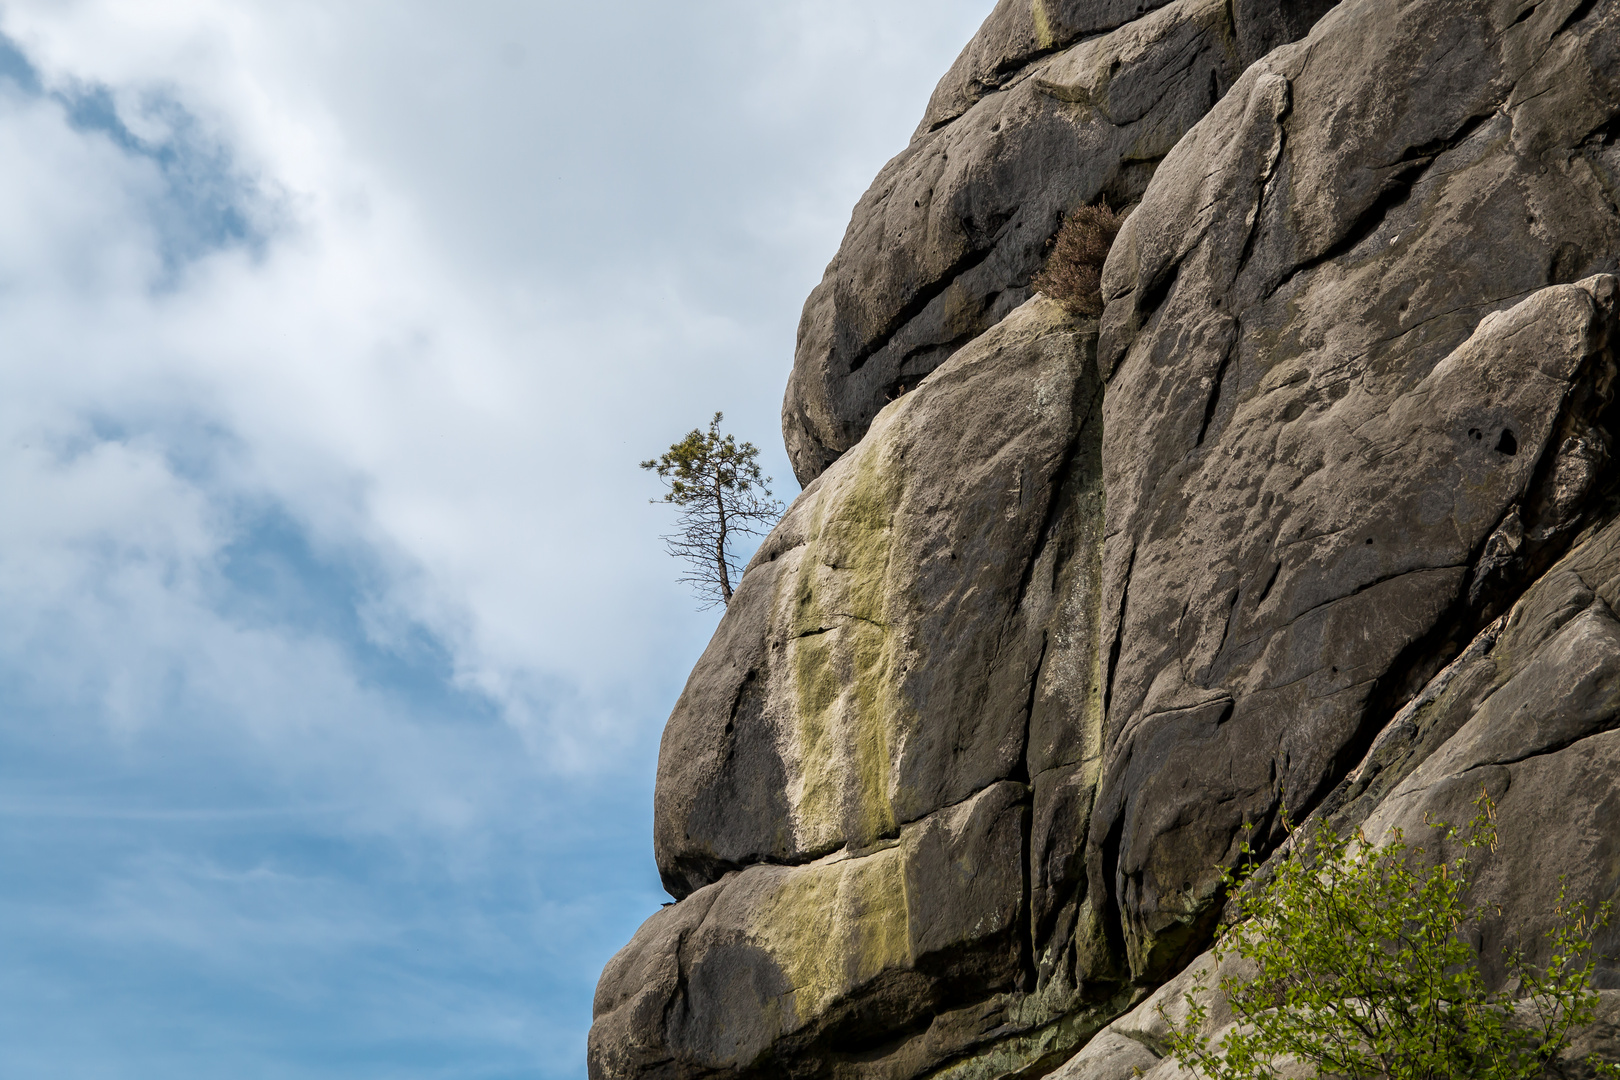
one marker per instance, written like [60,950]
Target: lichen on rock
[1321,512]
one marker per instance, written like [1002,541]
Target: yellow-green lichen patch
[843,661]
[1043,25]
[834,926]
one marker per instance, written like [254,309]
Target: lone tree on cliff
[716,482]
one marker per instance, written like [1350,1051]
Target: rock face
[1025,127]
[880,666]
[1321,514]
[894,716]
[1331,451]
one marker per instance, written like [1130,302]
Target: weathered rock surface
[1530,715]
[1323,461]
[877,662]
[812,965]
[897,654]
[1322,513]
[1019,32]
[944,243]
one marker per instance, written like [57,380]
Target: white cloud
[428,364]
[333,333]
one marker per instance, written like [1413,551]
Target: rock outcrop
[1055,103]
[1333,446]
[1321,514]
[886,721]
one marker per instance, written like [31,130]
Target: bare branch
[717,484]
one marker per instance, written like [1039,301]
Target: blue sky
[335,633]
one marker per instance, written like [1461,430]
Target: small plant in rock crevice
[1363,969]
[1073,272]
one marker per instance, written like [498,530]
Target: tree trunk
[720,543]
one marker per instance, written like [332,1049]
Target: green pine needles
[1362,970]
[717,483]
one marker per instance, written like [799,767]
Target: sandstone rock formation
[1321,514]
[1054,103]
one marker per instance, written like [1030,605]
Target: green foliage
[1073,272]
[717,483]
[1363,969]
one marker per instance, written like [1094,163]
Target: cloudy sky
[335,633]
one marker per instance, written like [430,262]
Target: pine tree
[716,482]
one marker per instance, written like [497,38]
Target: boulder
[816,964]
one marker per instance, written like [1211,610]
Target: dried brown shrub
[1073,272]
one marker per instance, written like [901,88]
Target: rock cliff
[1321,512]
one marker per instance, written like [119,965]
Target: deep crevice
[949,346]
[1270,581]
[919,302]
[1119,636]
[1576,16]
[1029,976]
[1155,294]
[1020,771]
[1427,152]
[1111,916]
[1215,391]
[1396,191]
[1061,497]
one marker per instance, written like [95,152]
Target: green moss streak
[1043,25]
[834,927]
[844,660]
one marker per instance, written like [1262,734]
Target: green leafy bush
[1073,272]
[1362,969]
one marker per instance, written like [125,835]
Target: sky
[336,636]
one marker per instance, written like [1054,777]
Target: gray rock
[1529,713]
[1320,518]
[944,243]
[1600,1040]
[815,963]
[877,661]
[1018,32]
[1015,33]
[1109,1056]
[1325,465]
[1137,1045]
[1541,738]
